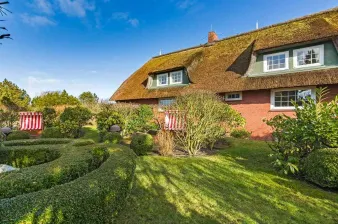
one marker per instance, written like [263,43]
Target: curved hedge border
[73,163]
[94,198]
[45,141]
[24,156]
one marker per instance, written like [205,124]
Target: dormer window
[276,62]
[162,79]
[176,77]
[309,56]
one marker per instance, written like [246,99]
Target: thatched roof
[222,65]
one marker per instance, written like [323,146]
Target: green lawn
[237,185]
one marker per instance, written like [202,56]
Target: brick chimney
[212,37]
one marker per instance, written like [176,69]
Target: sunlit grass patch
[237,185]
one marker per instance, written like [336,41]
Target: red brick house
[259,73]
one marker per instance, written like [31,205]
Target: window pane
[276,61]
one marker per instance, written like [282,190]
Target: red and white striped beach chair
[174,120]
[31,121]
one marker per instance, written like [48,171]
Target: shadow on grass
[236,186]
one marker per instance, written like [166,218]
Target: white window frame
[158,79]
[233,99]
[171,79]
[265,58]
[321,56]
[160,106]
[273,91]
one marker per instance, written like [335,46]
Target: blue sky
[94,45]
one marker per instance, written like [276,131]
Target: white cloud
[184,4]
[134,22]
[32,80]
[125,17]
[34,20]
[43,6]
[77,8]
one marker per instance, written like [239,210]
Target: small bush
[166,143]
[112,137]
[46,141]
[321,167]
[142,144]
[54,132]
[73,119]
[240,133]
[18,135]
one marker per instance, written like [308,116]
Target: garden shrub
[165,140]
[142,144]
[25,156]
[315,126]
[112,137]
[42,141]
[83,142]
[94,198]
[206,118]
[73,119]
[73,163]
[18,135]
[321,167]
[108,117]
[240,133]
[49,117]
[53,132]
[131,118]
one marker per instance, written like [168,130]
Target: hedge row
[94,198]
[321,167]
[73,163]
[25,156]
[46,141]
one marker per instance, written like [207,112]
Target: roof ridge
[253,31]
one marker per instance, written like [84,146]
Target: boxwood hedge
[94,198]
[73,163]
[25,156]
[46,141]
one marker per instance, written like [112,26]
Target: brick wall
[255,107]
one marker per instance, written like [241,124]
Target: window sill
[282,110]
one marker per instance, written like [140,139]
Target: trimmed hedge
[83,142]
[46,141]
[94,198]
[18,135]
[112,137]
[73,163]
[240,133]
[321,167]
[53,132]
[142,144]
[26,156]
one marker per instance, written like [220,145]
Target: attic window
[162,79]
[176,77]
[309,56]
[276,62]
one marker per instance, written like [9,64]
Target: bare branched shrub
[206,117]
[166,143]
